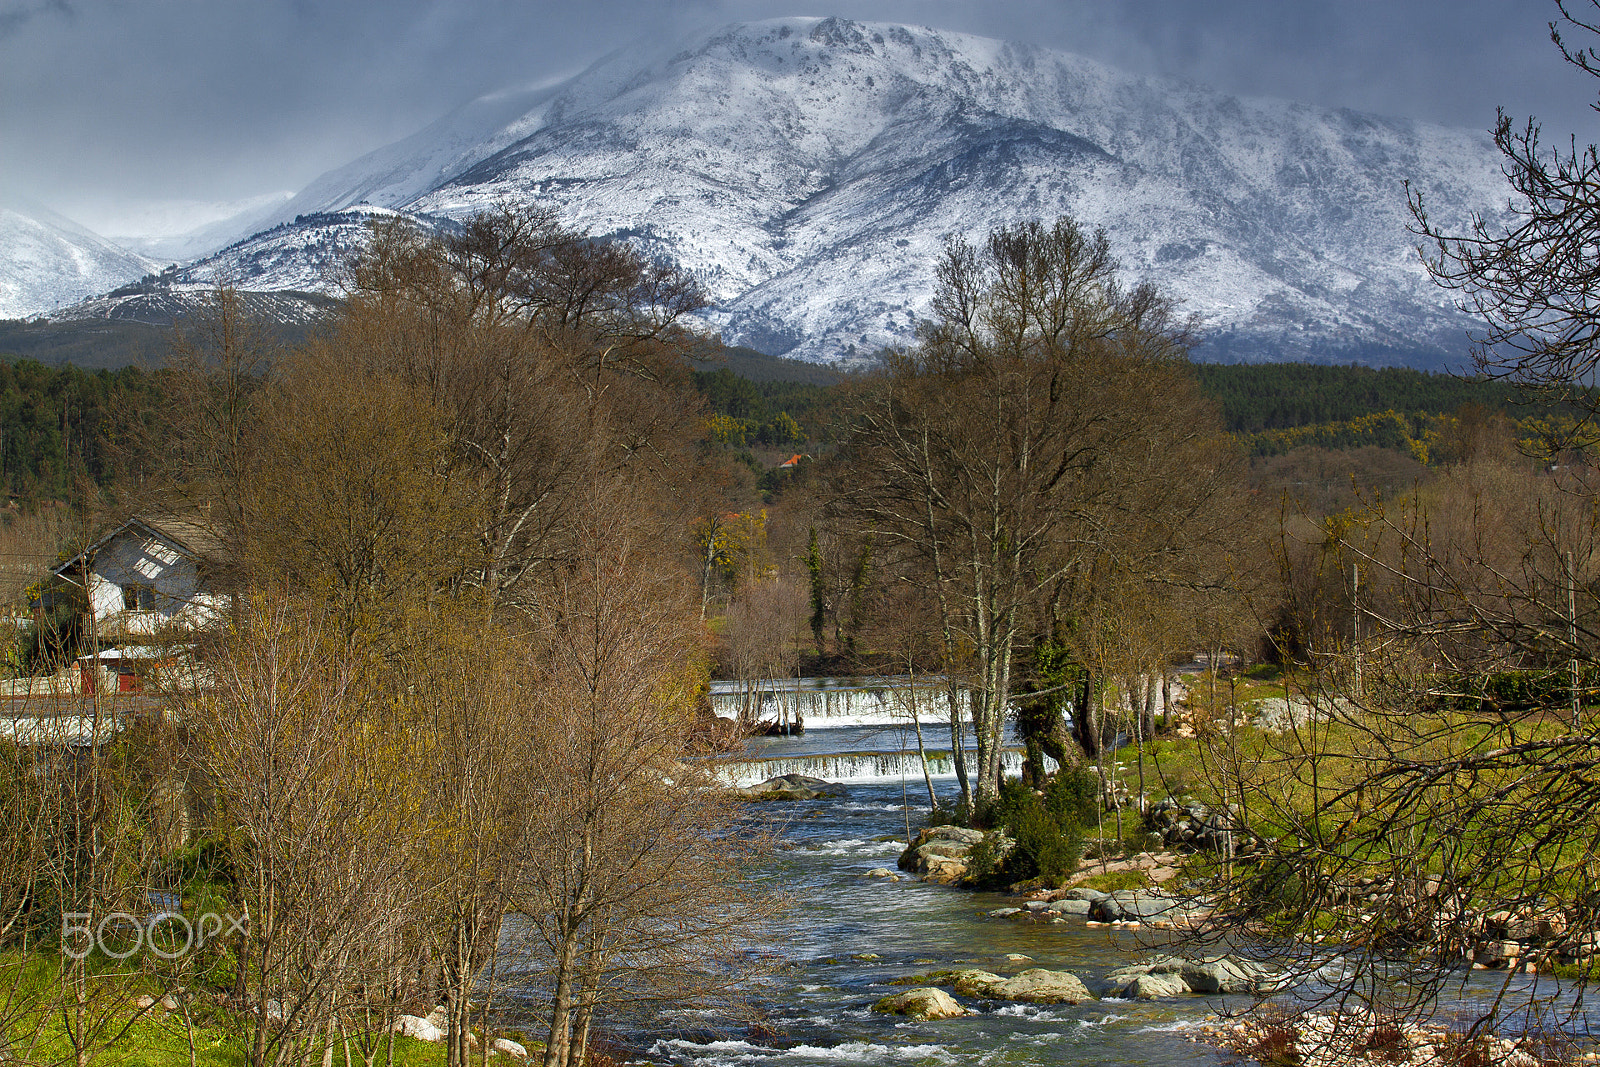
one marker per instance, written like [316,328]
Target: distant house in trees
[148,577]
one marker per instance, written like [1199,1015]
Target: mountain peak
[806,170]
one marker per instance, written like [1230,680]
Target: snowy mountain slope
[47,261]
[307,254]
[398,173]
[806,170]
[154,304]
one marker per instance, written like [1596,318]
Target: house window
[138,598]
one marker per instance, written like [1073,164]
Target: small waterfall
[824,703]
[849,767]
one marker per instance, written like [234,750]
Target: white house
[149,576]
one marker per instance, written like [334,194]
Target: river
[819,1007]
[848,935]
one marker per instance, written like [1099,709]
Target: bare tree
[558,359]
[760,631]
[1530,276]
[201,442]
[1046,415]
[313,779]
[469,696]
[1431,810]
[630,881]
[353,495]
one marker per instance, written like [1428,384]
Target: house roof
[130,652]
[189,538]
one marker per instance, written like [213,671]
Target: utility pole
[1355,623]
[1572,640]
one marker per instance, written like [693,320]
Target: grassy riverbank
[126,1016]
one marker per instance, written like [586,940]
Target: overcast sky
[109,105]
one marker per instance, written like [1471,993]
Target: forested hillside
[1278,396]
[62,425]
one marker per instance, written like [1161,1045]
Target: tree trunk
[558,1044]
[958,753]
[1086,717]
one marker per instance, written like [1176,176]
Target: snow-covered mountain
[47,261]
[806,169]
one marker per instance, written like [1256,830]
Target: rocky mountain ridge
[806,170]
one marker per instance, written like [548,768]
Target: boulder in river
[924,1003]
[1135,905]
[791,787]
[1039,986]
[1083,893]
[1172,976]
[1065,906]
[975,983]
[1155,986]
[939,853]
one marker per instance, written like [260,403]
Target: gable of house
[145,575]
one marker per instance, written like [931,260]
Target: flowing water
[848,936]
[819,1008]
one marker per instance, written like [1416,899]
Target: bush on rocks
[1045,830]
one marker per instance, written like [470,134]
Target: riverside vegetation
[453,634]
[482,540]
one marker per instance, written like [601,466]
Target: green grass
[1115,881]
[155,1038]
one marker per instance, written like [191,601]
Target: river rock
[925,1003]
[417,1027]
[1064,906]
[975,983]
[1039,986]
[1131,905]
[1171,976]
[1155,987]
[1228,974]
[1083,893]
[507,1047]
[791,787]
[940,853]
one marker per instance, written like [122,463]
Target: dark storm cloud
[210,99]
[14,16]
